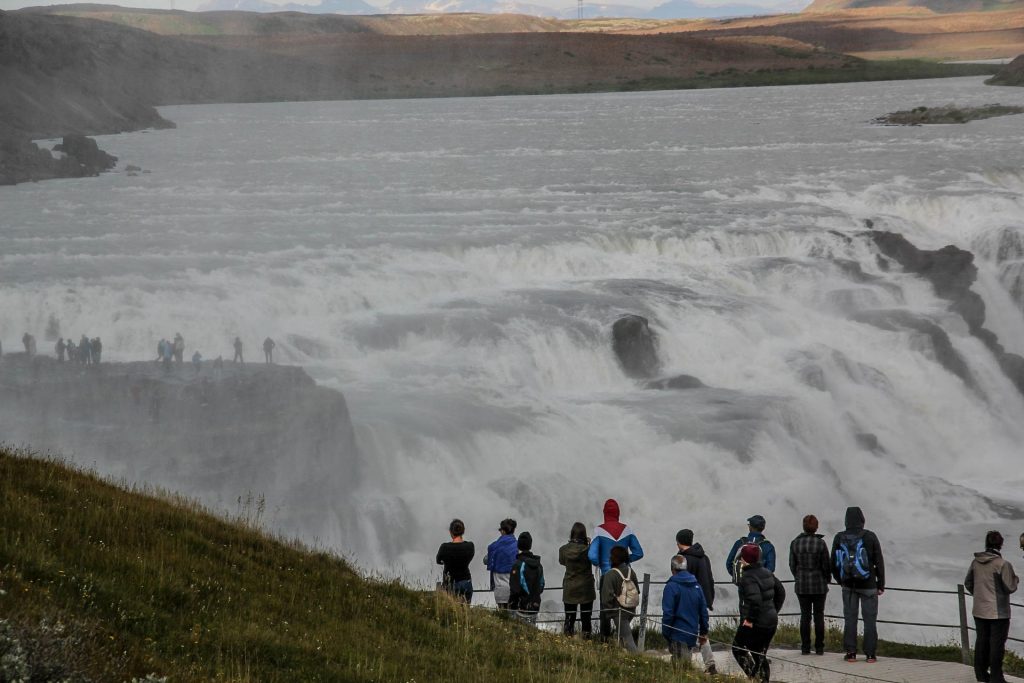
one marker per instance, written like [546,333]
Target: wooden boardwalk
[788,666]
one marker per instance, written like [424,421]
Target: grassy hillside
[113,584]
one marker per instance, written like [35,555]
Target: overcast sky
[782,5]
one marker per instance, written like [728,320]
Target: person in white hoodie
[991,580]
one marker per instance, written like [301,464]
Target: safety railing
[962,626]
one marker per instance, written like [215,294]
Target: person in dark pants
[455,556]
[991,580]
[699,565]
[858,566]
[761,598]
[578,584]
[238,352]
[811,565]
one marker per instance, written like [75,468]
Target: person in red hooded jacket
[606,536]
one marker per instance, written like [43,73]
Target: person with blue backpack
[755,536]
[858,566]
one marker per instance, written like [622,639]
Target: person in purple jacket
[501,555]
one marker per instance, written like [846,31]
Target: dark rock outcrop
[22,160]
[677,382]
[215,434]
[938,340]
[1011,74]
[951,271]
[635,346]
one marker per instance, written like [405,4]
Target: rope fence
[963,626]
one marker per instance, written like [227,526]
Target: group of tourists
[168,351]
[87,352]
[854,562]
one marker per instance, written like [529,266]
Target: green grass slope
[111,584]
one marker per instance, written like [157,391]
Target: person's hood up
[854,519]
[611,519]
[685,578]
[985,557]
[694,550]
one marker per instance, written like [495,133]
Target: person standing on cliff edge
[238,352]
[268,349]
[991,580]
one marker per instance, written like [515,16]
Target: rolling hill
[940,6]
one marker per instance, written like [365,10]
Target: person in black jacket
[699,564]
[455,557]
[858,566]
[810,563]
[761,598]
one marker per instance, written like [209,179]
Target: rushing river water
[454,267]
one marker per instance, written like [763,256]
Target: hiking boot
[872,660]
[712,670]
[820,651]
[850,657]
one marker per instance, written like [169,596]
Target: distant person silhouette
[84,350]
[268,349]
[179,347]
[197,359]
[61,348]
[97,350]
[238,352]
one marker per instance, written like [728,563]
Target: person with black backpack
[755,535]
[858,566]
[761,598]
[526,581]
[811,564]
[699,565]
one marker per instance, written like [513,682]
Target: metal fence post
[965,636]
[644,593]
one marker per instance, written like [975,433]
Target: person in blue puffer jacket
[501,555]
[684,613]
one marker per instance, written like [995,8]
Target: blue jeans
[865,600]
[462,590]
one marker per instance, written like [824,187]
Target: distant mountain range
[672,9]
[940,6]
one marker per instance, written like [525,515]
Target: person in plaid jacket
[811,564]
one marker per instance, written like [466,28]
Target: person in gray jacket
[991,580]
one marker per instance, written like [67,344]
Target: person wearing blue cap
[755,536]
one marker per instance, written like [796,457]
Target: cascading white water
[454,267]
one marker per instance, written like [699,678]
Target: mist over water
[454,267]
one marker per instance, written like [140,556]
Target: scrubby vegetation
[102,583]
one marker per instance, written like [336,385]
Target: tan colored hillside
[946,6]
[883,33]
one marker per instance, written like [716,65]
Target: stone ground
[788,666]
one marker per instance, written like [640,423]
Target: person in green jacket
[578,584]
[612,589]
